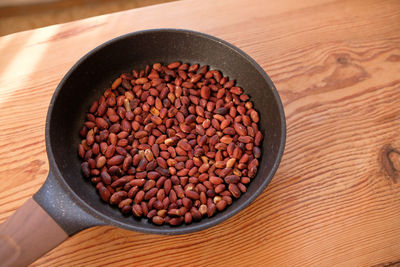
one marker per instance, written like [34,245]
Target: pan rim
[204,224]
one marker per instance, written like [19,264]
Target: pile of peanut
[173,143]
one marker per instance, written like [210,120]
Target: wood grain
[335,199]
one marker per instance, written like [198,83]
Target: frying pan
[67,203]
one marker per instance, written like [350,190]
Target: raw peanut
[139,196]
[125,202]
[180,193]
[221,146]
[206,123]
[116,160]
[244,158]
[225,172]
[236,90]
[81,151]
[104,194]
[227,199]
[253,163]
[242,187]
[211,209]
[141,80]
[192,194]
[203,209]
[184,145]
[193,171]
[96,181]
[158,205]
[116,83]
[229,130]
[188,217]
[133,191]
[252,172]
[158,220]
[256,152]
[137,210]
[157,66]
[225,123]
[92,163]
[196,215]
[176,221]
[148,185]
[237,153]
[217,199]
[126,209]
[254,116]
[216,180]
[230,163]
[258,138]
[240,129]
[221,111]
[187,203]
[160,182]
[182,172]
[140,134]
[101,123]
[162,213]
[245,139]
[148,154]
[174,212]
[234,189]
[205,92]
[221,205]
[94,107]
[101,161]
[219,188]
[174,65]
[203,197]
[229,84]
[85,169]
[161,162]
[119,182]
[137,182]
[246,120]
[151,214]
[226,139]
[204,168]
[151,165]
[141,174]
[237,172]
[167,186]
[151,193]
[145,209]
[232,179]
[153,175]
[106,178]
[117,197]
[219,164]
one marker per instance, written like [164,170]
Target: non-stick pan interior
[88,79]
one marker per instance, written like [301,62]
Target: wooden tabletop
[335,199]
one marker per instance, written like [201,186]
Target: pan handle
[41,223]
[69,212]
[28,234]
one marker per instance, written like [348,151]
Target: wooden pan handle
[28,234]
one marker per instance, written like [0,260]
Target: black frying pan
[72,201]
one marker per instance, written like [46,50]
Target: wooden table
[335,199]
